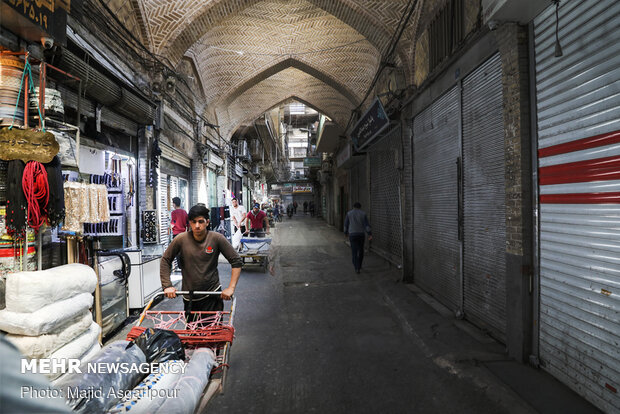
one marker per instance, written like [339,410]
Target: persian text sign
[370,124]
[302,188]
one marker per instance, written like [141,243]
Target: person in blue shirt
[356,226]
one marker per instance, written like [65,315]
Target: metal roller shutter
[436,244]
[174,155]
[385,208]
[484,210]
[164,213]
[578,127]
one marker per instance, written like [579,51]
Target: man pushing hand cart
[200,249]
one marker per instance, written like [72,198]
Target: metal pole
[98,316]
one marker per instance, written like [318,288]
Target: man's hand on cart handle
[228,293]
[170,292]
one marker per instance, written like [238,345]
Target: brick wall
[512,41]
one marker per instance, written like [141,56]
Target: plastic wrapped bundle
[153,391]
[75,349]
[110,384]
[31,291]
[160,345]
[48,319]
[43,345]
[191,384]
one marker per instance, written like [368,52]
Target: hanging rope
[36,190]
[30,86]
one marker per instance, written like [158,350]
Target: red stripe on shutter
[581,198]
[581,144]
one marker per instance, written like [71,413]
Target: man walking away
[305,207]
[179,224]
[355,227]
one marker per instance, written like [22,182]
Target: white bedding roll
[76,348]
[31,291]
[47,319]
[43,345]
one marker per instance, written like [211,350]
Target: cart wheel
[265,264]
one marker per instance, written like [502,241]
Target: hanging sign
[33,19]
[312,162]
[27,145]
[370,125]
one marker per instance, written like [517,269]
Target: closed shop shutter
[164,213]
[385,197]
[578,107]
[484,211]
[174,155]
[436,244]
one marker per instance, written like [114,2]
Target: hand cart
[213,329]
[255,250]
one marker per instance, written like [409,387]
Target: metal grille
[484,211]
[436,244]
[578,124]
[385,197]
[164,213]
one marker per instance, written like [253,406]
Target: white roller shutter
[578,106]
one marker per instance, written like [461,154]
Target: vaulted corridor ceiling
[252,55]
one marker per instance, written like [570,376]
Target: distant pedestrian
[179,224]
[305,207]
[356,226]
[258,222]
[238,215]
[294,207]
[311,208]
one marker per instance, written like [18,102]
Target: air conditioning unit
[242,149]
[255,169]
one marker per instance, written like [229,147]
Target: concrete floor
[313,336]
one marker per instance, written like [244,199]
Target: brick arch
[286,84]
[173,43]
[291,63]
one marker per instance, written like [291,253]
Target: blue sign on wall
[370,125]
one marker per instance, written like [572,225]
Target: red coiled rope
[36,190]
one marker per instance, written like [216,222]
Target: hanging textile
[56,204]
[85,203]
[15,200]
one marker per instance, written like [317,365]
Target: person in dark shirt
[355,227]
[201,249]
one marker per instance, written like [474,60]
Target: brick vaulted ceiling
[252,55]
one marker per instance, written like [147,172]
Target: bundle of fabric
[30,291]
[191,384]
[44,321]
[152,392]
[85,203]
[77,387]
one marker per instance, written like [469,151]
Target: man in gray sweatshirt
[355,227]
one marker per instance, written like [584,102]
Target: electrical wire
[402,24]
